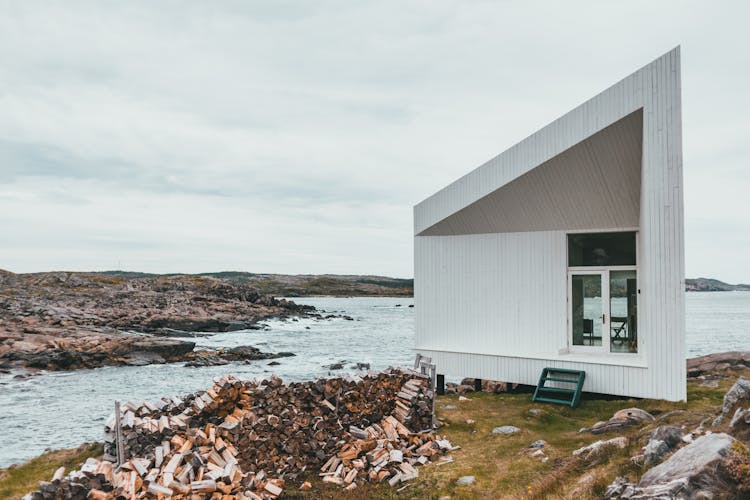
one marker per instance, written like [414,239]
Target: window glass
[601,249]
[586,295]
[623,311]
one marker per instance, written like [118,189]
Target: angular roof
[582,171]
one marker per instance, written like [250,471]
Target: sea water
[64,409]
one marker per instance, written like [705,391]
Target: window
[601,249]
[603,292]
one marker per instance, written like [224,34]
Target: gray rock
[535,412]
[506,430]
[245,352]
[670,434]
[620,488]
[691,469]
[465,480]
[709,363]
[740,416]
[711,383]
[541,443]
[600,448]
[663,439]
[449,407]
[692,472]
[654,451]
[667,491]
[622,418]
[143,359]
[739,392]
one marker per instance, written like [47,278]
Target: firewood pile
[388,451]
[248,439]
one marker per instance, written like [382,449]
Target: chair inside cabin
[588,331]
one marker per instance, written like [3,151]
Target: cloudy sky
[295,137]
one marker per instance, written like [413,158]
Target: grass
[16,481]
[502,465]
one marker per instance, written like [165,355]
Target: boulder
[491,386]
[663,439]
[622,488]
[506,430]
[600,448]
[695,471]
[465,480]
[696,463]
[737,394]
[710,383]
[692,471]
[143,359]
[670,434]
[494,387]
[622,418]
[169,349]
[739,427]
[740,417]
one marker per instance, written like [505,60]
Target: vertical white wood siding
[493,305]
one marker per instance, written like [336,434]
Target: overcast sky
[295,137]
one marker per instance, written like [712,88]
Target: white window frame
[603,271]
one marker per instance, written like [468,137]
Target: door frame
[603,274]
[604,270]
[606,307]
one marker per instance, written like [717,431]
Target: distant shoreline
[713,285]
[351,285]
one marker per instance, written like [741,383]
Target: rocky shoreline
[68,321]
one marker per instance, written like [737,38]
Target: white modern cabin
[566,250]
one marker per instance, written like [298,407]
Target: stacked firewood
[146,425]
[389,450]
[245,439]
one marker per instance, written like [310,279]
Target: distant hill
[304,285]
[354,285]
[712,285]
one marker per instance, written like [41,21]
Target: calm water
[62,410]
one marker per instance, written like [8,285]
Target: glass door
[589,310]
[623,307]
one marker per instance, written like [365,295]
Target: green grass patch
[21,479]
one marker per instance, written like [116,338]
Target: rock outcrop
[738,394]
[696,471]
[662,440]
[65,321]
[718,362]
[601,448]
[622,418]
